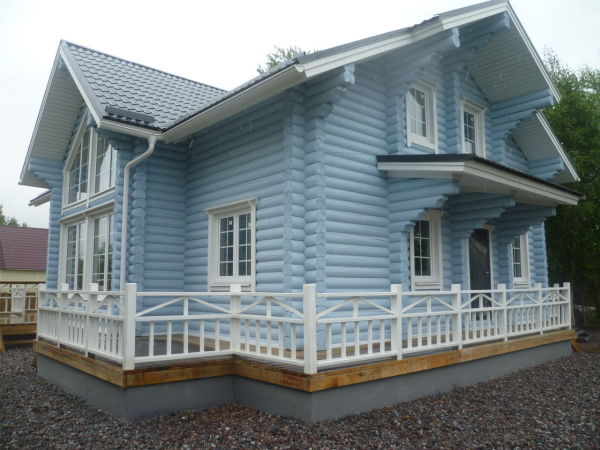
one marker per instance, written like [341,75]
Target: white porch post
[570,306]
[504,327]
[457,301]
[91,308]
[129,316]
[235,308]
[41,296]
[309,295]
[61,299]
[396,307]
[540,312]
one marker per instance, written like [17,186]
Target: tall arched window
[78,170]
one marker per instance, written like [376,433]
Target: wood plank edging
[289,378]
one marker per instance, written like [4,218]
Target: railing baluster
[356,338]
[218,336]
[169,337]
[370,337]
[151,340]
[329,342]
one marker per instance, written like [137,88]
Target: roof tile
[23,248]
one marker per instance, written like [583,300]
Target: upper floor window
[421,115]
[90,168]
[231,245]
[425,250]
[520,260]
[473,128]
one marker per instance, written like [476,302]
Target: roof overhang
[58,127]
[537,140]
[474,174]
[44,197]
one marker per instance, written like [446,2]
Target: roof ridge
[140,65]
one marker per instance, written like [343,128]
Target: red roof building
[22,249]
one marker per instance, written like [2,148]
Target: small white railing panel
[330,329]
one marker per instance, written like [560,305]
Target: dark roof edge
[466,157]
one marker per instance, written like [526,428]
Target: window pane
[104,165]
[422,248]
[78,172]
[417,112]
[517,259]
[82,229]
[71,256]
[469,132]
[226,246]
[244,245]
[100,252]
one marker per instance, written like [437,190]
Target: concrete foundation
[143,401]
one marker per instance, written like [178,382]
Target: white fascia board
[321,65]
[244,99]
[474,15]
[557,145]
[492,174]
[481,171]
[90,105]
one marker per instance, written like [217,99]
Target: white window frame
[478,112]
[430,141]
[523,280]
[88,217]
[433,281]
[91,176]
[223,283]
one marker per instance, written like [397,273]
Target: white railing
[18,298]
[309,329]
[89,321]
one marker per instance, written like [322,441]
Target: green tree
[9,221]
[279,55]
[573,235]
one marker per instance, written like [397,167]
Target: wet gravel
[554,405]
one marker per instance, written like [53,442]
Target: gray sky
[218,43]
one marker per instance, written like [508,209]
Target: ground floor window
[520,260]
[86,251]
[231,245]
[425,250]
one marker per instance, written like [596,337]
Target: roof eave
[261,91]
[570,169]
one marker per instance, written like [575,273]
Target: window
[520,261]
[473,128]
[87,251]
[420,115]
[102,257]
[231,245]
[75,255]
[92,158]
[78,170]
[425,249]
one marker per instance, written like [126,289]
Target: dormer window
[473,128]
[90,168]
[420,115]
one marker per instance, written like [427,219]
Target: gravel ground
[551,405]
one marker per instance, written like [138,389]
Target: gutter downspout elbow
[125,208]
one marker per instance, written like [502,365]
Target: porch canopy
[475,174]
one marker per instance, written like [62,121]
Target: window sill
[225,286]
[427,285]
[74,205]
[102,194]
[414,142]
[521,284]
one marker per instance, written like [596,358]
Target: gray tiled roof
[122,85]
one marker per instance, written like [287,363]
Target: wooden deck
[283,376]
[17,329]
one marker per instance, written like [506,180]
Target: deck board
[287,377]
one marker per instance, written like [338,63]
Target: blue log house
[355,227]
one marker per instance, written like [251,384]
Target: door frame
[490,229]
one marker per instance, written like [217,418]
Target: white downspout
[125,209]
